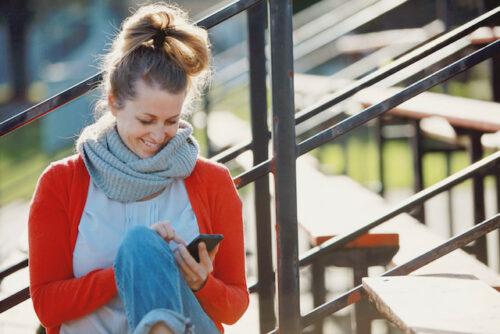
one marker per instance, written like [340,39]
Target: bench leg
[361,320]
[318,290]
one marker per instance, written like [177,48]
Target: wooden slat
[436,304]
[365,241]
[461,112]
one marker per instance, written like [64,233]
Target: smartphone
[211,240]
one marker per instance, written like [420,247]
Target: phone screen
[211,240]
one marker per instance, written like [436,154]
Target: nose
[158,134]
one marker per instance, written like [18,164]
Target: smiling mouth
[151,145]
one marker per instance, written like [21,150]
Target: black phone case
[211,240]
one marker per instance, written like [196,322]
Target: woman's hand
[195,273]
[167,232]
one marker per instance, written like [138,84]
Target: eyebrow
[154,116]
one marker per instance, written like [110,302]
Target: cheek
[172,130]
[129,131]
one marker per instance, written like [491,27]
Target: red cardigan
[55,213]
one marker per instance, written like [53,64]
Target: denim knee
[177,323]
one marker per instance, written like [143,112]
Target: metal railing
[286,150]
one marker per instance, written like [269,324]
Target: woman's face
[147,122]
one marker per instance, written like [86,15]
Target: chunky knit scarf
[125,177]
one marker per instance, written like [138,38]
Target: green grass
[18,179]
[362,162]
[22,162]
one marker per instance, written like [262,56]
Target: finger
[170,230]
[213,252]
[204,257]
[183,267]
[190,264]
[181,264]
[179,240]
[158,228]
[163,232]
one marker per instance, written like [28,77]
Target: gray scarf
[125,177]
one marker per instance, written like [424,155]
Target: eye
[172,122]
[143,121]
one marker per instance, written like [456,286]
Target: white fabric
[103,224]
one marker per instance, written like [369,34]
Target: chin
[147,155]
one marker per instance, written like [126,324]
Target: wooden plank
[461,112]
[416,239]
[325,208]
[485,35]
[436,304]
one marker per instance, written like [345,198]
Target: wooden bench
[436,304]
[334,205]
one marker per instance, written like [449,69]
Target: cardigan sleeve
[57,296]
[225,295]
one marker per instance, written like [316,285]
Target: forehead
[158,102]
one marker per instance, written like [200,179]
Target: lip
[150,146]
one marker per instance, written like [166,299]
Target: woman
[108,226]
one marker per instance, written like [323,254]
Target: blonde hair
[159,45]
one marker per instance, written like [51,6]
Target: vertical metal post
[284,147]
[476,154]
[17,29]
[444,8]
[256,23]
[379,127]
[207,106]
[418,181]
[319,290]
[361,321]
[450,195]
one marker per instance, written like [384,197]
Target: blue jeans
[153,289]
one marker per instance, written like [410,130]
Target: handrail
[378,109]
[91,83]
[14,299]
[448,246]
[14,268]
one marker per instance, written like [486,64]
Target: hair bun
[160,45]
[159,38]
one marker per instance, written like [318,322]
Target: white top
[103,225]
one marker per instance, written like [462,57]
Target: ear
[111,103]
